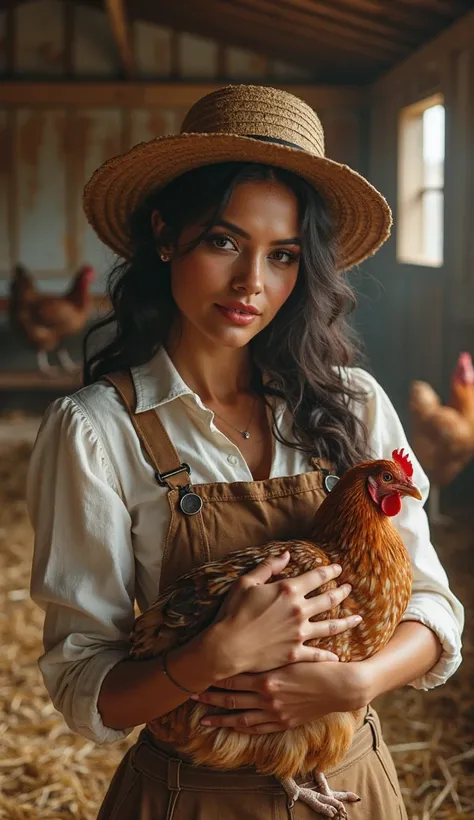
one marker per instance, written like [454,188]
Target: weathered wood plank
[35,380]
[132,95]
[121,31]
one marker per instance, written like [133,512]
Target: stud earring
[164,257]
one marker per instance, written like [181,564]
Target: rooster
[443,435]
[44,320]
[352,527]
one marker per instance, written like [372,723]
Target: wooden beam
[448,8]
[290,42]
[69,34]
[356,21]
[315,22]
[120,29]
[149,95]
[290,36]
[9,4]
[10,41]
[100,303]
[35,380]
[457,37]
[396,13]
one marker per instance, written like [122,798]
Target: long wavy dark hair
[300,351]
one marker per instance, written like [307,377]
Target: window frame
[411,187]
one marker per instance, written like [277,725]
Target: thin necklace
[244,433]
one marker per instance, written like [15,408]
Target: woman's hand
[263,626]
[287,697]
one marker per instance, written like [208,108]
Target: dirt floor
[47,772]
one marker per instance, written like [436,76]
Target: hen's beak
[408,489]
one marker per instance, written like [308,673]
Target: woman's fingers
[312,654]
[315,578]
[246,682]
[231,701]
[264,571]
[324,629]
[327,600]
[240,720]
[254,721]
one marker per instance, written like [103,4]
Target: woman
[228,314]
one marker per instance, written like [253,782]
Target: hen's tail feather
[318,745]
[423,400]
[172,611]
[20,281]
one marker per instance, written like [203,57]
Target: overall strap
[170,471]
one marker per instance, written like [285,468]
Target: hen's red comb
[403,460]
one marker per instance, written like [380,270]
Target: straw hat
[240,123]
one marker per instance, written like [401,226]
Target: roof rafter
[351,16]
[257,30]
[117,16]
[336,41]
[318,58]
[396,13]
[269,13]
[322,17]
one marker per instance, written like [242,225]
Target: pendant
[246,434]
[330,482]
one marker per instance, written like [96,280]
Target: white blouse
[100,522]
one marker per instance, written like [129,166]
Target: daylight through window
[421,183]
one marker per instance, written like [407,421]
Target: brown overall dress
[153,782]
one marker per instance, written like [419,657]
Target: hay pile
[47,773]
[431,734]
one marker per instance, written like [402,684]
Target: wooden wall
[421,317]
[54,134]
[65,108]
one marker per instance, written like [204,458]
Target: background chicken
[352,527]
[443,435]
[46,320]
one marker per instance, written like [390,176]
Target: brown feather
[348,528]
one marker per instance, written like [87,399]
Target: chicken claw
[325,801]
[66,362]
[44,365]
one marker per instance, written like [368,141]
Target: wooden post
[118,22]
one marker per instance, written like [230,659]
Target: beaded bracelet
[170,676]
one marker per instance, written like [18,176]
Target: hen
[44,320]
[443,435]
[351,527]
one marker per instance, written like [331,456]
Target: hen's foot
[325,801]
[44,365]
[66,362]
[325,789]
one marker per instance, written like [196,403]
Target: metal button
[190,503]
[330,482]
[233,460]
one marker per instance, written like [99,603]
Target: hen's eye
[387,477]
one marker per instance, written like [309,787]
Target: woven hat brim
[361,214]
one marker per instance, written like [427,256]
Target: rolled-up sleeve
[432,602]
[83,572]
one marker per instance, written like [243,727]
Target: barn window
[421,183]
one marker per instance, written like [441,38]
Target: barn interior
[393,85]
